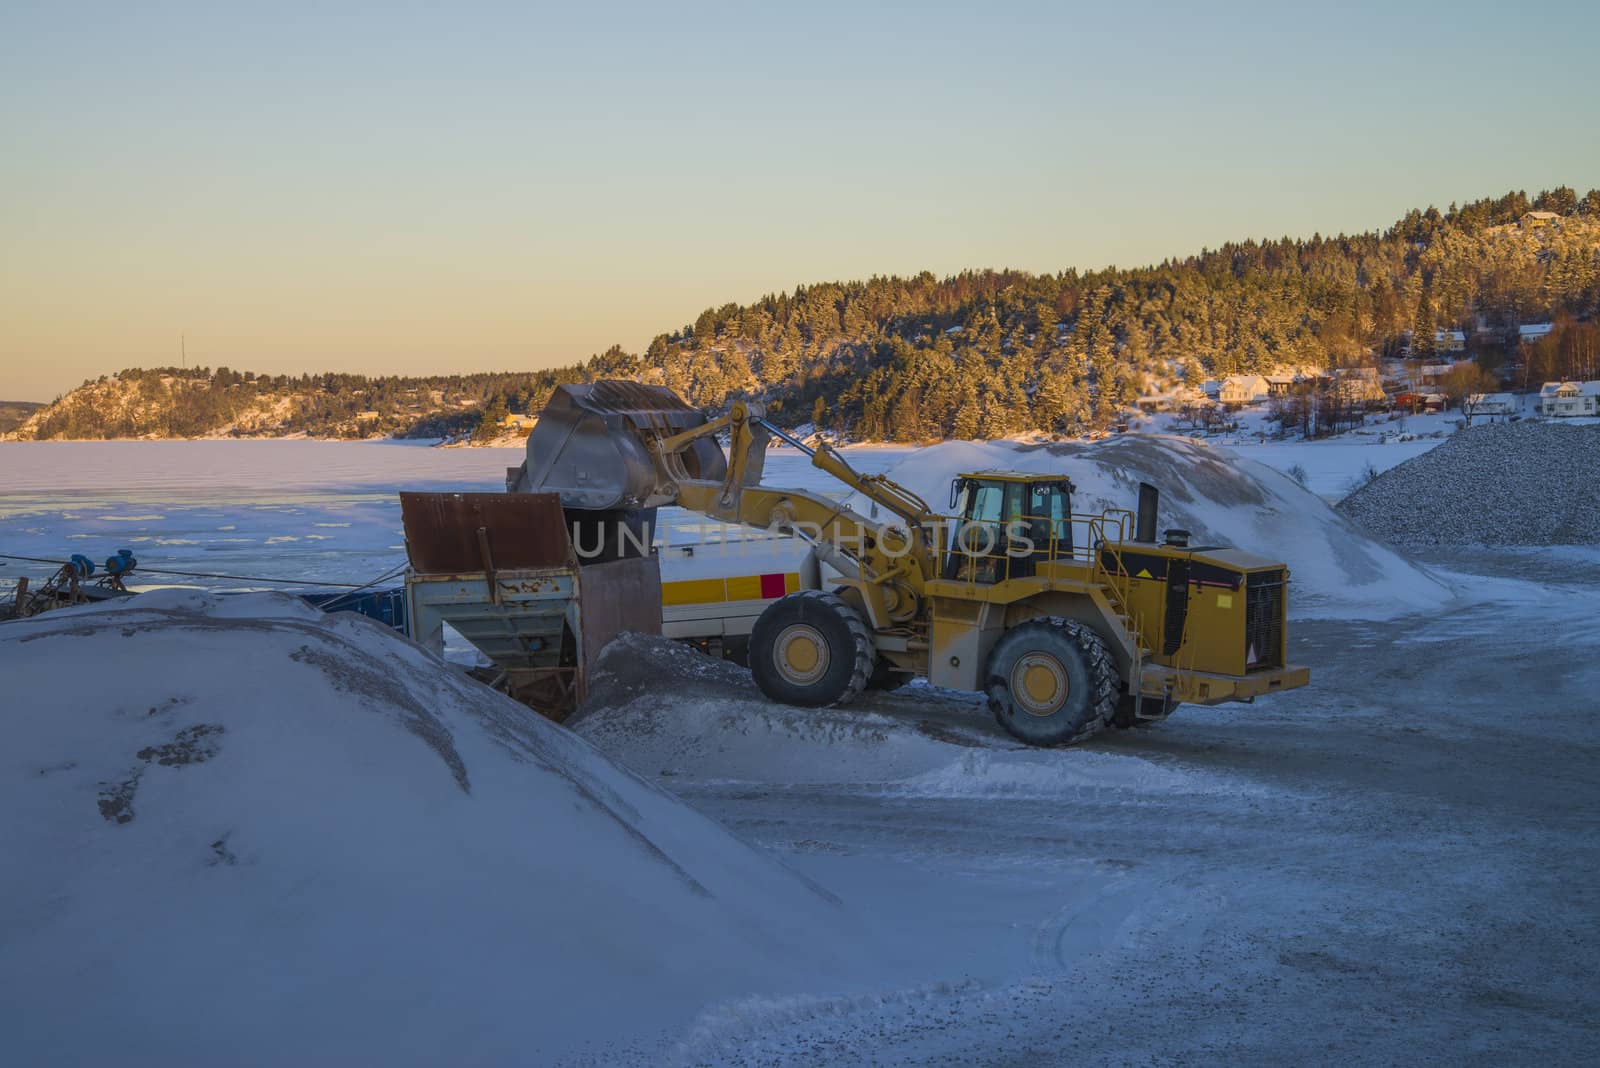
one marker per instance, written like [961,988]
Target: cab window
[988,502]
[1051,507]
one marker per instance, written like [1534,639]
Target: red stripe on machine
[772,586]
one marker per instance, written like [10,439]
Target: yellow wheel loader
[1067,622]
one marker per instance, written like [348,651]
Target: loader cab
[1007,521]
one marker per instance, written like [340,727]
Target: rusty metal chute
[500,569]
[450,532]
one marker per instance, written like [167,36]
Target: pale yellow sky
[510,187]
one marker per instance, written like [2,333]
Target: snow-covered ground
[1333,466]
[1394,864]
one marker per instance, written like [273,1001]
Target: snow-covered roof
[1534,330]
[1570,389]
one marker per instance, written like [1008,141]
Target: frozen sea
[310,512]
[318,512]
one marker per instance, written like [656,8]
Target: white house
[1565,400]
[1531,332]
[1430,374]
[1243,389]
[1359,385]
[1493,405]
[1177,397]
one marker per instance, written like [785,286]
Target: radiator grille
[1263,620]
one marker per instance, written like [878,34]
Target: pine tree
[1050,403]
[489,424]
[1422,327]
[968,417]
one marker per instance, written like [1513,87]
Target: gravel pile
[1501,484]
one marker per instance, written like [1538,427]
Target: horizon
[438,193]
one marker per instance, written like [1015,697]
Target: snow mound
[1221,499]
[1044,774]
[1501,484]
[666,710]
[238,830]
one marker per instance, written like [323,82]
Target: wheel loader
[1067,622]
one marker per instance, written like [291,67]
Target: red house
[1415,402]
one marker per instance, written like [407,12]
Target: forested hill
[984,353]
[14,413]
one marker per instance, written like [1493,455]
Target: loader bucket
[589,446]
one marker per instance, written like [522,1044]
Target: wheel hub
[801,654]
[1039,684]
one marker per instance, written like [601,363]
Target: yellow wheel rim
[801,654]
[1039,684]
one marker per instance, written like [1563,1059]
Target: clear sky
[429,187]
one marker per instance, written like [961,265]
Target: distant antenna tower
[183,349]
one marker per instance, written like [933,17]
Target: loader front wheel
[1052,682]
[811,648]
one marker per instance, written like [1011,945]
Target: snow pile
[977,773]
[1221,499]
[237,830]
[1502,484]
[666,710]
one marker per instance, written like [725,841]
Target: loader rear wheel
[811,648]
[1052,682]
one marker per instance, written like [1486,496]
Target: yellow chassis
[1208,688]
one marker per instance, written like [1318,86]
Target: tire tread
[865,653]
[1102,667]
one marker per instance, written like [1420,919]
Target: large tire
[1052,682]
[811,648]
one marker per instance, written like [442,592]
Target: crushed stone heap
[1501,484]
[238,830]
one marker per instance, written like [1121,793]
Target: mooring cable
[142,570]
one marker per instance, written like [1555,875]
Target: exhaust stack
[1145,529]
